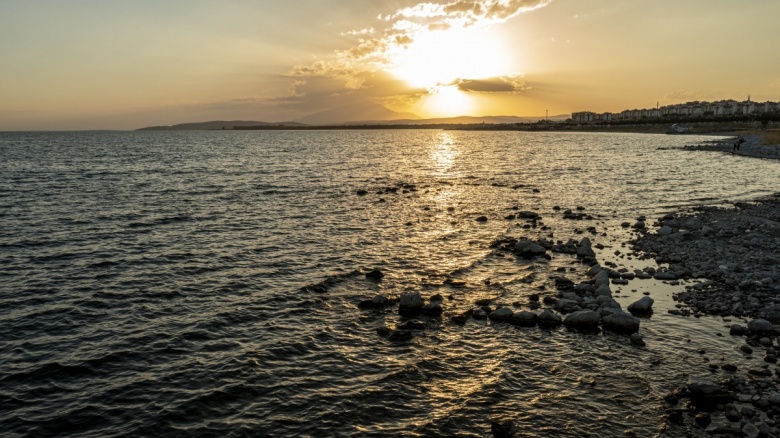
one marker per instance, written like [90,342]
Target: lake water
[153,283]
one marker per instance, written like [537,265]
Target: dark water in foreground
[150,283]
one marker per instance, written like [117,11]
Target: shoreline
[729,259]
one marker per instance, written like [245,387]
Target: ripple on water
[206,283]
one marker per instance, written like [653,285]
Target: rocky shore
[730,258]
[732,253]
[753,146]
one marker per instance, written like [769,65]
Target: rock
[479,313]
[665,275]
[500,314]
[621,322]
[732,413]
[749,430]
[412,325]
[603,290]
[745,348]
[601,278]
[401,335]
[760,371]
[524,318]
[703,389]
[502,429]
[636,339]
[565,305]
[528,249]
[593,270]
[410,303]
[432,309]
[378,302]
[481,219]
[703,419]
[774,398]
[665,230]
[642,306]
[528,215]
[760,326]
[737,330]
[435,298]
[361,192]
[582,318]
[548,318]
[461,318]
[375,274]
[383,331]
[585,249]
[639,225]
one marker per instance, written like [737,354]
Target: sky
[115,64]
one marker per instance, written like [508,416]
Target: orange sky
[125,65]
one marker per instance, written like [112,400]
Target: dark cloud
[492,85]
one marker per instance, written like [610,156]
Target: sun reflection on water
[443,154]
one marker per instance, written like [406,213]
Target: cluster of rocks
[400,187]
[736,252]
[410,305]
[736,405]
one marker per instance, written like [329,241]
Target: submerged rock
[528,249]
[621,322]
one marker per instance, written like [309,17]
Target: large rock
[621,322]
[528,249]
[703,389]
[603,290]
[565,305]
[549,318]
[760,326]
[524,317]
[584,249]
[643,305]
[410,302]
[582,318]
[500,314]
[601,278]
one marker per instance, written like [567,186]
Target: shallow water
[150,282]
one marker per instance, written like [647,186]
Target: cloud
[505,84]
[359,72]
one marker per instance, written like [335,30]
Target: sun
[443,57]
[447,101]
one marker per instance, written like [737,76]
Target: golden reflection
[443,154]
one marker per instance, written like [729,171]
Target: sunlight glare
[447,101]
[442,57]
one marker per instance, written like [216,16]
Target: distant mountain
[216,125]
[367,111]
[462,120]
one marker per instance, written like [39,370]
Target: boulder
[760,326]
[643,305]
[524,318]
[582,318]
[549,318]
[585,249]
[500,314]
[621,322]
[401,335]
[410,302]
[703,389]
[528,249]
[601,278]
[375,275]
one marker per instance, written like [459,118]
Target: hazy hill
[216,124]
[367,111]
[463,120]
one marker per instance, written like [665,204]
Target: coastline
[729,259]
